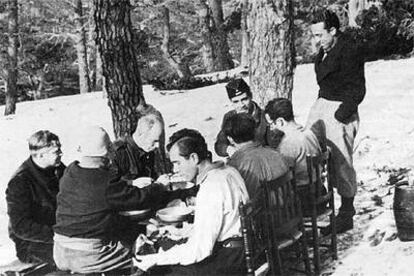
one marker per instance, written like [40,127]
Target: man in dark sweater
[91,194]
[241,98]
[134,155]
[31,199]
[339,69]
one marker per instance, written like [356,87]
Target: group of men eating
[69,216]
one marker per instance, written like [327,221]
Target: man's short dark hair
[328,17]
[42,139]
[280,108]
[193,142]
[240,127]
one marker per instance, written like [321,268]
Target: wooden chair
[284,213]
[255,235]
[321,194]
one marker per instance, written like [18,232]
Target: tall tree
[11,79]
[216,51]
[272,51]
[84,80]
[114,38]
[176,64]
[222,57]
[207,48]
[244,59]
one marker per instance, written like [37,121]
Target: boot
[344,220]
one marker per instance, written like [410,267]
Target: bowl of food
[136,214]
[174,214]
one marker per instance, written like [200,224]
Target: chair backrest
[283,205]
[255,232]
[319,171]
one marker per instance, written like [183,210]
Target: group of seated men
[68,216]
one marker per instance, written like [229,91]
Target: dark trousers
[33,252]
[223,261]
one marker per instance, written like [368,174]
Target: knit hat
[237,87]
[94,142]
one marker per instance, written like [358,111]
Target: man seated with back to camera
[255,162]
[296,143]
[215,246]
[31,199]
[90,197]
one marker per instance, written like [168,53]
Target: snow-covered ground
[385,141]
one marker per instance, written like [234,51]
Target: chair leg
[304,245]
[278,264]
[333,237]
[316,256]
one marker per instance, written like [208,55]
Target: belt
[231,243]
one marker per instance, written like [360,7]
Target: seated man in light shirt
[296,143]
[215,246]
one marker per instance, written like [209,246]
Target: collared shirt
[295,145]
[256,164]
[216,215]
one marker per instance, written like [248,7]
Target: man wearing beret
[241,98]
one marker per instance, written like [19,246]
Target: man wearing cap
[91,194]
[31,199]
[241,98]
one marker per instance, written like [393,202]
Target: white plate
[181,185]
[174,214]
[142,182]
[135,213]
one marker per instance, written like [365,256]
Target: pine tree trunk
[272,52]
[91,49]
[207,49]
[182,70]
[11,79]
[223,59]
[244,59]
[115,43]
[84,81]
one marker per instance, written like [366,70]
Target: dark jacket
[31,204]
[263,135]
[340,76]
[132,161]
[89,200]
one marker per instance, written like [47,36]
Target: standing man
[31,199]
[339,71]
[241,98]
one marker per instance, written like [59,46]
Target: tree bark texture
[207,49]
[91,49]
[244,59]
[272,51]
[114,38]
[11,78]
[222,57]
[84,80]
[181,69]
